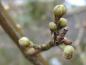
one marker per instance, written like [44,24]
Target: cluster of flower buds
[59,24]
[59,11]
[58,30]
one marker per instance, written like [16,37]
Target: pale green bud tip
[24,41]
[59,10]
[52,26]
[63,22]
[68,52]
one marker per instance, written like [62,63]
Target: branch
[32,52]
[9,29]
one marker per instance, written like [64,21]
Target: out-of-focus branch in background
[77,44]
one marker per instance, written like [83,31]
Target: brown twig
[59,40]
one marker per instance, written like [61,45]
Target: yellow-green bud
[24,41]
[68,52]
[59,10]
[62,22]
[30,51]
[52,26]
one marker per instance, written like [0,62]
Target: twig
[59,40]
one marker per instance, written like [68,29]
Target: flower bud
[62,22]
[68,52]
[59,10]
[30,51]
[52,26]
[24,41]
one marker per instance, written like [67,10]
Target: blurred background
[34,16]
